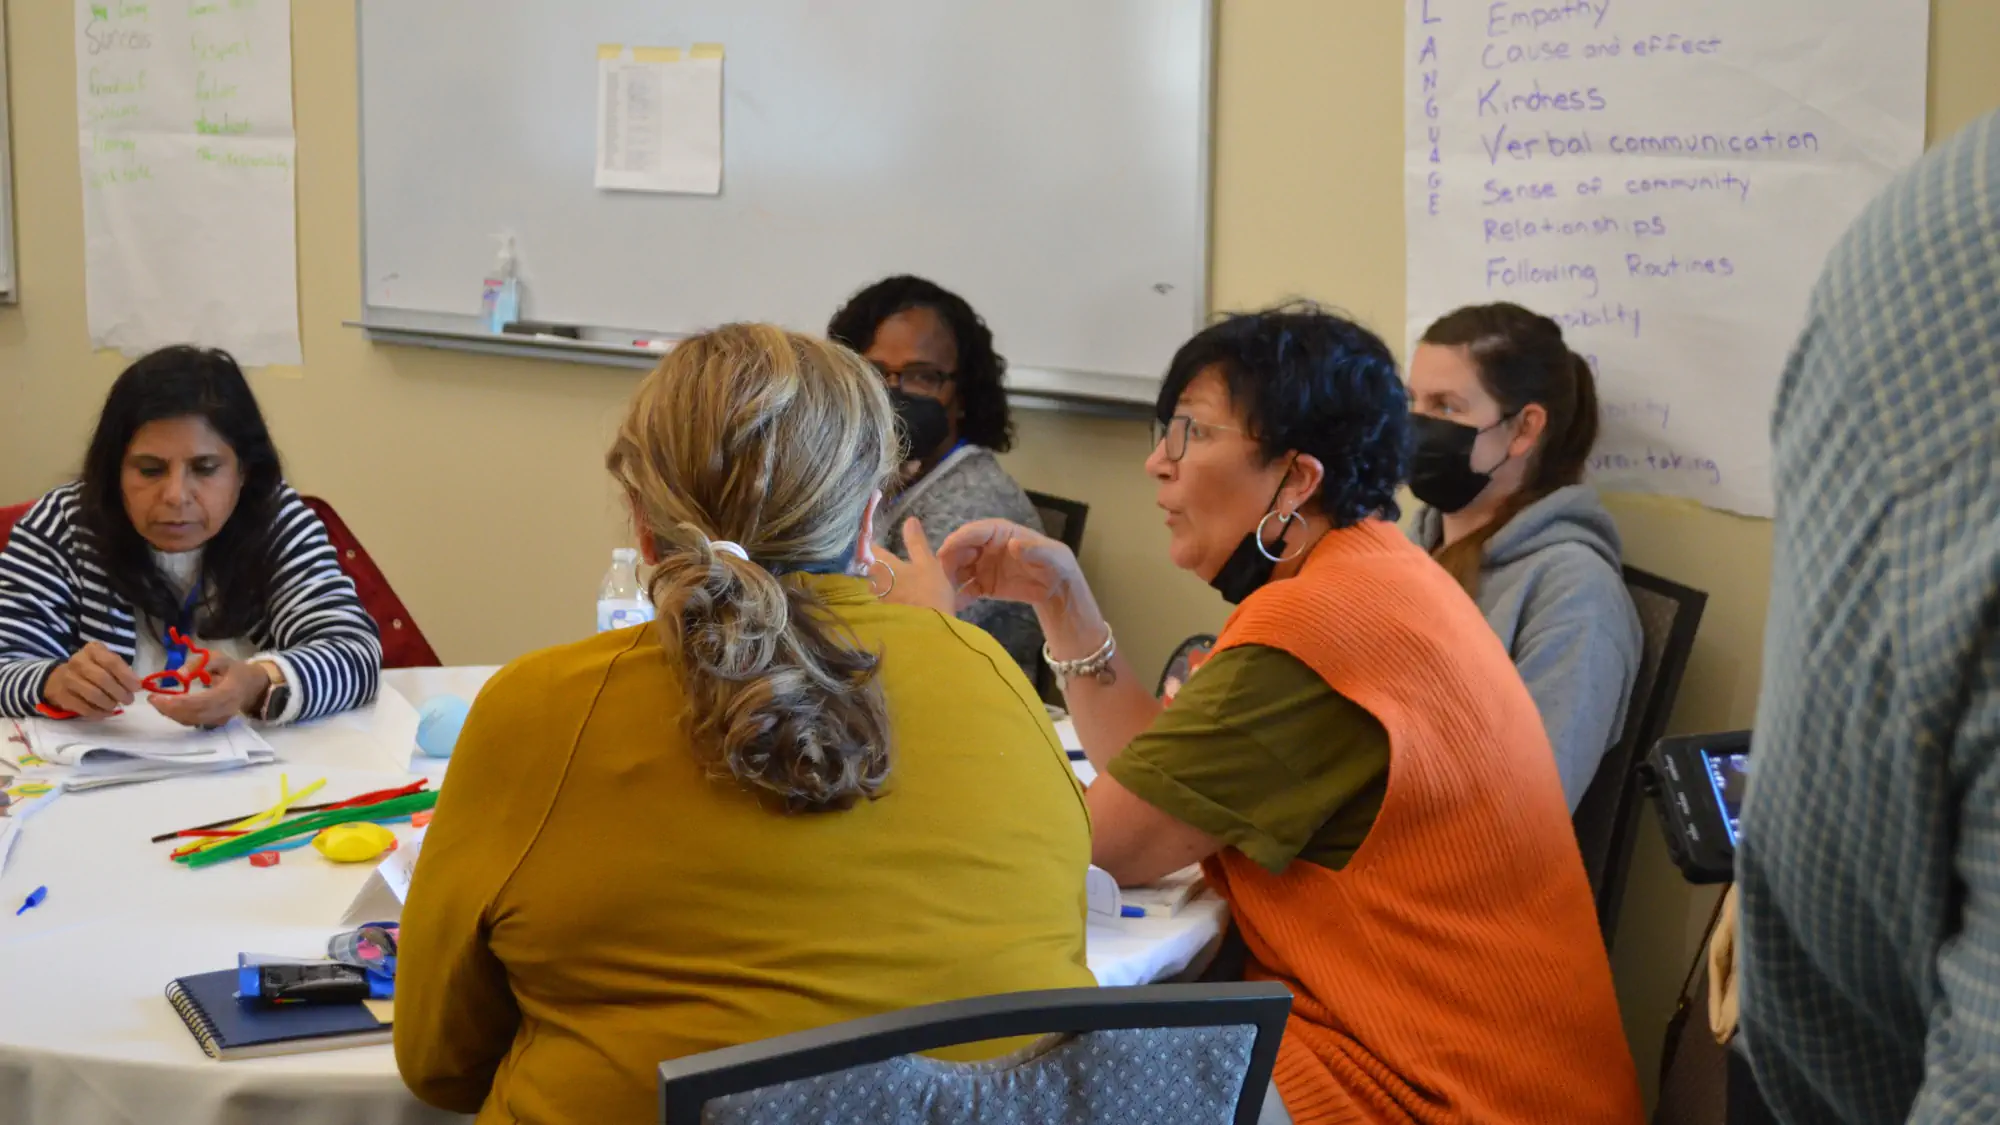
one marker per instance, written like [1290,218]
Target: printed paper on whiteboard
[185,140]
[659,120]
[1665,178]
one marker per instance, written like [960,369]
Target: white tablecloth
[86,1035]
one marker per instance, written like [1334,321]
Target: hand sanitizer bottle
[500,301]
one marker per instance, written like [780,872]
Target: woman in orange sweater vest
[1358,765]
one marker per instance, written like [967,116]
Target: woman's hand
[920,579]
[238,687]
[999,559]
[93,684]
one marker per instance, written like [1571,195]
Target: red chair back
[403,644]
[9,517]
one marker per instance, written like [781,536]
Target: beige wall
[476,482]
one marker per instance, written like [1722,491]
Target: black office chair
[1062,520]
[1199,1054]
[1607,819]
[1183,662]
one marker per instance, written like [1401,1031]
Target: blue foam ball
[438,723]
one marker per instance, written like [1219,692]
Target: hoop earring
[884,564]
[1284,524]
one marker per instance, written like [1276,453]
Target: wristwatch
[277,697]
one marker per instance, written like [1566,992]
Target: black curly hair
[1311,380]
[981,374]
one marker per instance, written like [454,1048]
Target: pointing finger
[916,542]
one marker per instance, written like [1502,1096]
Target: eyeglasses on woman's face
[916,378]
[1174,434]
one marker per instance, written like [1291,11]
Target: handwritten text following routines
[1664,178]
[184,111]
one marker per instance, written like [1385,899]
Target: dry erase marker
[653,345]
[35,898]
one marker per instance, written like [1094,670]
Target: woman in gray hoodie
[1505,418]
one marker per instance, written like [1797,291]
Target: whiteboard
[1663,178]
[7,284]
[1046,159]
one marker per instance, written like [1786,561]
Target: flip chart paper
[184,114]
[1665,179]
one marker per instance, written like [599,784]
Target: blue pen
[35,898]
[1131,912]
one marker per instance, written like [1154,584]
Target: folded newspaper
[138,744]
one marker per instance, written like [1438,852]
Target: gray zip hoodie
[1551,587]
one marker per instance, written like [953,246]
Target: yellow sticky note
[706,50]
[656,54]
[610,50]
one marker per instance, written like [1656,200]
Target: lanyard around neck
[177,653]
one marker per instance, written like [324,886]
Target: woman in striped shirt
[181,530]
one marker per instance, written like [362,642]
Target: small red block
[265,859]
[420,820]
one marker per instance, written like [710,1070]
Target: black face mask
[1249,568]
[1441,472]
[922,422]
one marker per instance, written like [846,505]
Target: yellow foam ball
[354,843]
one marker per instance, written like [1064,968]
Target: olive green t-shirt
[1257,751]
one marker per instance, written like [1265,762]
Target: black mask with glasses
[1175,432]
[917,378]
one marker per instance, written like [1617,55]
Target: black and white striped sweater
[54,600]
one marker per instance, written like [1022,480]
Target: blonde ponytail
[775,442]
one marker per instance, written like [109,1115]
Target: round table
[86,1034]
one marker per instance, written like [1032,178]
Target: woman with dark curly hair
[947,384]
[1358,766]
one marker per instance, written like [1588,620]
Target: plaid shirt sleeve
[1869,871]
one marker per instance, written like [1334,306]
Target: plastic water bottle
[621,601]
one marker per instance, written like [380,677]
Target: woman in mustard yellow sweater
[784,805]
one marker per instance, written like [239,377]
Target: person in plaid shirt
[1869,872]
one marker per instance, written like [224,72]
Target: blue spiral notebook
[228,1029]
